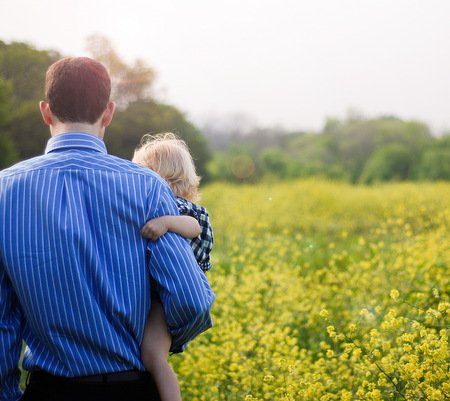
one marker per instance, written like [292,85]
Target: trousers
[122,386]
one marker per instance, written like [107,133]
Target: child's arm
[186,226]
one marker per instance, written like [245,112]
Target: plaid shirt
[202,245]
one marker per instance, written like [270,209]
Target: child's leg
[154,351]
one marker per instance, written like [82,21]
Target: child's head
[169,156]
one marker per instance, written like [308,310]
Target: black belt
[115,377]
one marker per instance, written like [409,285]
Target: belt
[115,377]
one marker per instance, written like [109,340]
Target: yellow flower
[331,331]
[394,294]
[376,353]
[364,312]
[407,348]
[443,306]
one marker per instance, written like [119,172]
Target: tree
[129,83]
[274,162]
[7,150]
[28,130]
[24,67]
[358,139]
[5,101]
[435,163]
[316,154]
[393,162]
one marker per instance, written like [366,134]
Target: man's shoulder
[22,166]
[74,160]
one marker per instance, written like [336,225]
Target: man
[74,269]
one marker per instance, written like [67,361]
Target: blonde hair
[169,156]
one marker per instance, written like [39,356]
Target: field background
[325,291]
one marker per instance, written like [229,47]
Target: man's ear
[108,114]
[46,113]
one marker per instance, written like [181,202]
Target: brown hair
[77,89]
[169,156]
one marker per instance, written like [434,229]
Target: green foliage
[236,165]
[356,150]
[23,67]
[358,140]
[315,155]
[5,101]
[390,163]
[7,150]
[28,131]
[435,163]
[274,162]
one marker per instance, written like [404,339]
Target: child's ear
[134,159]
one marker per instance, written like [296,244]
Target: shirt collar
[75,140]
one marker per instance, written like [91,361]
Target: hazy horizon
[290,63]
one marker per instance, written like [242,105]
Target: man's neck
[92,129]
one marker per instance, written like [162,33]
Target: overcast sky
[281,62]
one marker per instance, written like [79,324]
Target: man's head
[77,90]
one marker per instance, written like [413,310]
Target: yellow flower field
[325,292]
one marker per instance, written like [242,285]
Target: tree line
[354,149]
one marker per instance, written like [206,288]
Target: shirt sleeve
[183,289]
[203,244]
[10,340]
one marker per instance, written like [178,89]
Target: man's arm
[183,288]
[186,226]
[10,341]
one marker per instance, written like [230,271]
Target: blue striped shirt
[74,269]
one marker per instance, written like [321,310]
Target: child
[169,156]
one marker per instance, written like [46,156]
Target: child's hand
[155,228]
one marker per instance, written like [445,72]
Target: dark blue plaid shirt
[201,245]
